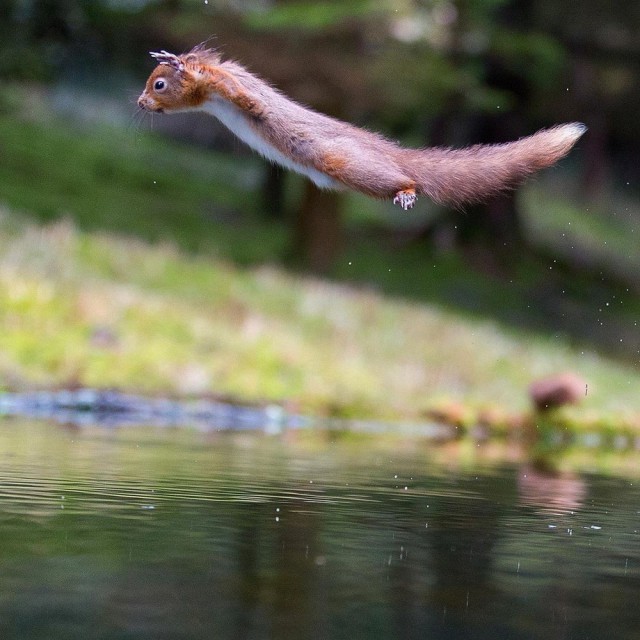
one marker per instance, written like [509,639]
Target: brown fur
[359,159]
[333,165]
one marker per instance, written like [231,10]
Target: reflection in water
[555,496]
[550,491]
[157,533]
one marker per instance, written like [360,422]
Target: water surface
[176,533]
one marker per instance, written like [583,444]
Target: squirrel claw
[405,198]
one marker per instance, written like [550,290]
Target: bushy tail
[459,176]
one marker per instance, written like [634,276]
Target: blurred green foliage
[308,16]
[432,51]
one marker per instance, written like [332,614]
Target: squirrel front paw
[406,198]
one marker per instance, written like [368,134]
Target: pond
[150,532]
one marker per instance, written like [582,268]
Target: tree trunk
[273,192]
[495,223]
[318,229]
[490,234]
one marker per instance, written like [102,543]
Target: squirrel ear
[164,57]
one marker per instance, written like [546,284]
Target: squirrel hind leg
[405,198]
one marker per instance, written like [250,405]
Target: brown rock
[557,390]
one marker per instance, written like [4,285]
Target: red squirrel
[335,154]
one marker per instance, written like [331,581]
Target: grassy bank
[132,262]
[105,310]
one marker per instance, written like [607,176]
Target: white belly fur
[232,118]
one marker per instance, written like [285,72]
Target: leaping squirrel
[335,154]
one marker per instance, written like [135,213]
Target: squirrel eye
[160,85]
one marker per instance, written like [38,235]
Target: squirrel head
[176,83]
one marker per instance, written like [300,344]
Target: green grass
[600,238]
[129,261]
[134,183]
[183,324]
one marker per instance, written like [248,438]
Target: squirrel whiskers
[335,154]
